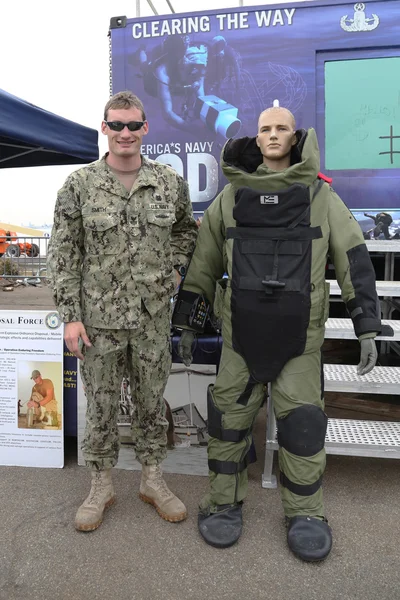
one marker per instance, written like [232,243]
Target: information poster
[31,389]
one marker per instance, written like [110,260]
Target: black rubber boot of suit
[222,528]
[309,538]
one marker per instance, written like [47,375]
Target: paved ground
[137,556]
[25,297]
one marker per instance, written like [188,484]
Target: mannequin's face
[276,135]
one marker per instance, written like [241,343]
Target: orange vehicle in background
[9,245]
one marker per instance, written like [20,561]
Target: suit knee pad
[302,432]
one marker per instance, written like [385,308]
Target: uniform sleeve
[207,264]
[65,252]
[354,270]
[184,230]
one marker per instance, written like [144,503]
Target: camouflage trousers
[143,355]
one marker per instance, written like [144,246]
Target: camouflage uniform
[111,265]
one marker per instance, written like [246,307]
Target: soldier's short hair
[124,99]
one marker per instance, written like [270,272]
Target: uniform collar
[106,180]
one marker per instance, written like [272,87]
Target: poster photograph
[31,389]
[39,382]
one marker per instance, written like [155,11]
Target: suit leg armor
[233,404]
[297,397]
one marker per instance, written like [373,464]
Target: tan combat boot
[101,496]
[155,491]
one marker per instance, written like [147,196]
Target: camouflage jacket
[112,250]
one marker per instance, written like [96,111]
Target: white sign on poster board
[186,398]
[31,389]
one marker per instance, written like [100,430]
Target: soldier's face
[124,143]
[276,135]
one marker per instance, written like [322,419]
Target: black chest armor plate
[271,271]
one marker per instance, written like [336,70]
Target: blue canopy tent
[32,137]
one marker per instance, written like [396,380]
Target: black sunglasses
[119,125]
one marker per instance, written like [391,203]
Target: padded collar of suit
[242,163]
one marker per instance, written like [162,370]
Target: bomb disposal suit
[271,232]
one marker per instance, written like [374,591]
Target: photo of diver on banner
[193,72]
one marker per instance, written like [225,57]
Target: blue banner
[70,392]
[205,77]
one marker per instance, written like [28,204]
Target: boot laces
[161,485]
[95,490]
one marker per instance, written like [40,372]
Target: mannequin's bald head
[278,110]
[276,136]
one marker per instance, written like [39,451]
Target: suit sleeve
[208,264]
[354,270]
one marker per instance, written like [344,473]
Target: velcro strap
[387,331]
[184,308]
[366,325]
[215,427]
[228,467]
[300,490]
[291,247]
[256,285]
[245,395]
[226,435]
[274,233]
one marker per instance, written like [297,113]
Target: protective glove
[185,346]
[368,356]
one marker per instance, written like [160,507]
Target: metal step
[363,438]
[383,288]
[380,439]
[344,378]
[343,329]
[359,438]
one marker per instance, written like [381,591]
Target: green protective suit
[297,378]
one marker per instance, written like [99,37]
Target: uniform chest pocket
[103,235]
[161,218]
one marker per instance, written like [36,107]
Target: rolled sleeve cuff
[366,326]
[366,336]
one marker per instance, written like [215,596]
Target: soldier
[270,230]
[43,399]
[122,236]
